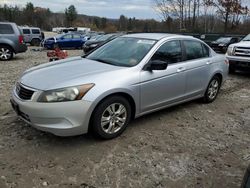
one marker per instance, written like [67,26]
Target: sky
[142,9]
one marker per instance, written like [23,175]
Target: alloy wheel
[5,53]
[213,89]
[113,118]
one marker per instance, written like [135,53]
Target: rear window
[6,29]
[76,36]
[26,31]
[35,31]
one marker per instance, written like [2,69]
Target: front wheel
[111,117]
[212,90]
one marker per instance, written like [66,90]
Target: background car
[221,44]
[11,40]
[69,40]
[32,35]
[238,55]
[98,41]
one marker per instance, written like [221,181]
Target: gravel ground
[191,145]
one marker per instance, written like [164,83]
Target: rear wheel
[35,42]
[212,89]
[111,117]
[6,53]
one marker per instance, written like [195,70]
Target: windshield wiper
[104,61]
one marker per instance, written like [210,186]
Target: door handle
[181,69]
[208,62]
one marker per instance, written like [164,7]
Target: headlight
[230,50]
[65,94]
[93,45]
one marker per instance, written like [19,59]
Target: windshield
[247,38]
[224,39]
[123,51]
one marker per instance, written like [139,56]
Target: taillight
[20,39]
[226,62]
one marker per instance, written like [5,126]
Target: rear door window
[26,31]
[35,31]
[67,36]
[194,50]
[76,36]
[6,29]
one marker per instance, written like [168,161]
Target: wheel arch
[126,95]
[8,45]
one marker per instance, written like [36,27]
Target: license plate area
[15,107]
[18,112]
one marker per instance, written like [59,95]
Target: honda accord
[128,77]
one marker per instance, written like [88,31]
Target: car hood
[65,73]
[241,44]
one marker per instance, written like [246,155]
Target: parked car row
[221,44]
[78,40]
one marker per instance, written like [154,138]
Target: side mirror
[156,65]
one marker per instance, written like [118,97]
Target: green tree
[29,13]
[123,23]
[71,15]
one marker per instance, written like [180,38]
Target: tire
[35,42]
[6,53]
[55,46]
[231,69]
[212,90]
[111,117]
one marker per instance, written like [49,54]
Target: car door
[65,41]
[77,41]
[163,87]
[198,67]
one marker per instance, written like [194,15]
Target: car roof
[155,36]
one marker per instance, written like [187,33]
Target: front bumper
[238,62]
[61,119]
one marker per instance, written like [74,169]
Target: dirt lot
[191,145]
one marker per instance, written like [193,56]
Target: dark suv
[11,40]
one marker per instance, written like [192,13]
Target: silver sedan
[123,79]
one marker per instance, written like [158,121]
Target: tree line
[197,16]
[207,16]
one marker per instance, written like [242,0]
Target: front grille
[242,51]
[23,93]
